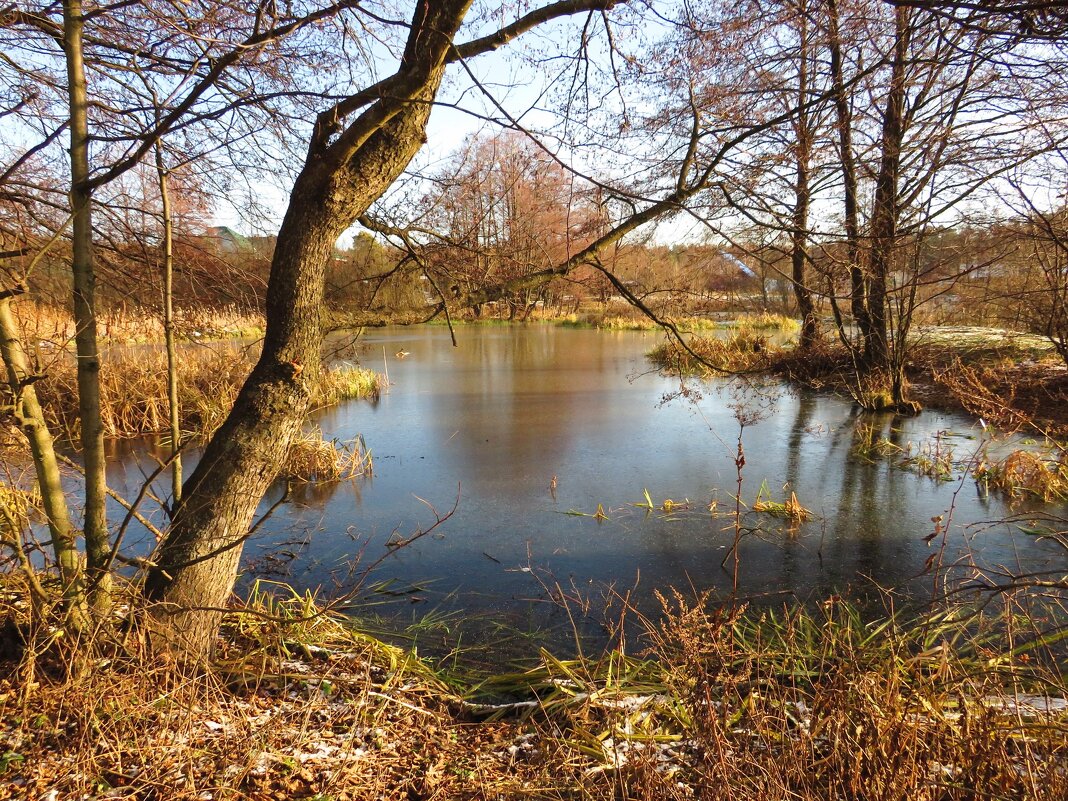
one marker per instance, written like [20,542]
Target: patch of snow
[1028,705]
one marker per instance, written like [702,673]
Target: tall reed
[134,389]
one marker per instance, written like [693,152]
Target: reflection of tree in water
[526,393]
[872,496]
[795,558]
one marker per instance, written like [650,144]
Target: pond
[528,431]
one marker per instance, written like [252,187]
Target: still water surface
[488,425]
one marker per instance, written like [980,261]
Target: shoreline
[720,698]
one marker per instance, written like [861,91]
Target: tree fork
[199,559]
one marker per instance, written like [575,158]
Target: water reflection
[491,422]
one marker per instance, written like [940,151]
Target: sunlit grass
[53,325]
[1024,473]
[133,389]
[768,321]
[745,349]
[313,458]
[607,321]
[346,382]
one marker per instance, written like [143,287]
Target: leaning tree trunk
[345,171]
[31,420]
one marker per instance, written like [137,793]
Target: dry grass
[312,458]
[822,705]
[768,321]
[16,505]
[1027,474]
[133,387]
[722,704]
[981,390]
[741,351]
[296,704]
[633,320]
[54,327]
[344,382]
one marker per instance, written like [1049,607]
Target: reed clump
[933,459]
[741,351]
[768,321]
[870,444]
[313,458]
[790,510]
[344,382]
[1025,473]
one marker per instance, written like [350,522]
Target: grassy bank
[133,388]
[711,703]
[1013,383]
[54,327]
[616,316]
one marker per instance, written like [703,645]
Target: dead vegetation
[1025,473]
[52,326]
[313,458]
[133,388]
[1009,385]
[741,351]
[716,703]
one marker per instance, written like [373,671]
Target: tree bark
[885,209]
[95,525]
[53,501]
[858,287]
[341,177]
[844,123]
[799,235]
[168,328]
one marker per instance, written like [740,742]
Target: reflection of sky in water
[492,421]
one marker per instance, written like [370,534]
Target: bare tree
[499,209]
[358,147]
